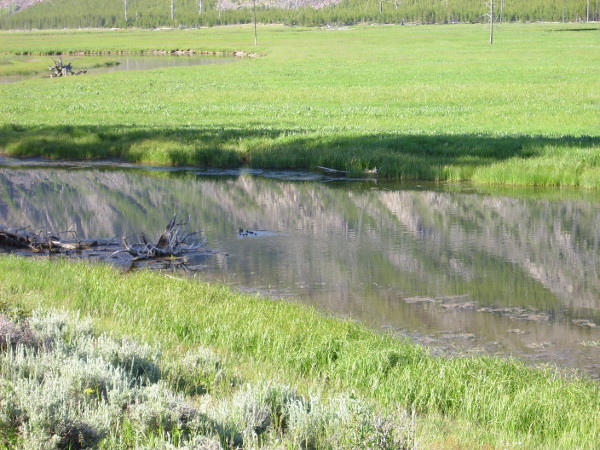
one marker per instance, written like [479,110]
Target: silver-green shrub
[197,372]
[158,408]
[13,334]
[61,386]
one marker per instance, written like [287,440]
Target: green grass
[469,401]
[426,103]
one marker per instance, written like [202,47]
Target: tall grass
[428,103]
[502,399]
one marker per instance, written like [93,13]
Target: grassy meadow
[241,342]
[426,103]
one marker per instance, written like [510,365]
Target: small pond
[458,268]
[128,62]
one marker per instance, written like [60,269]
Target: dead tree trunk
[491,17]
[59,69]
[22,238]
[175,241]
[125,6]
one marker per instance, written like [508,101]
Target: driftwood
[371,172]
[39,241]
[59,69]
[173,243]
[329,170]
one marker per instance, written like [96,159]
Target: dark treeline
[193,13]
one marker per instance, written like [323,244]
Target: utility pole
[172,9]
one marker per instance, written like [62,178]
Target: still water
[460,269]
[127,62]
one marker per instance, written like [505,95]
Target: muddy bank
[155,52]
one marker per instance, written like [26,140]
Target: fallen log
[37,241]
[175,241]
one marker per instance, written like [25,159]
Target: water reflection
[137,62]
[129,62]
[512,272]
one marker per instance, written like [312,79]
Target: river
[461,269]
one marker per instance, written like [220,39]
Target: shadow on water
[402,156]
[576,29]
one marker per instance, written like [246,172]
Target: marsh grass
[426,103]
[487,400]
[563,161]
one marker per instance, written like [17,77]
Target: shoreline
[492,395]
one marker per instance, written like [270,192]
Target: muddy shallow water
[461,269]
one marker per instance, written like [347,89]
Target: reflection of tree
[553,243]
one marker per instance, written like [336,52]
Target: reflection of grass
[428,103]
[11,65]
[484,400]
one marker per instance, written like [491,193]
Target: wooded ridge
[43,14]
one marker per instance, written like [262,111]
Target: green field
[427,102]
[470,402]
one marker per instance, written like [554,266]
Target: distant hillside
[36,14]
[17,5]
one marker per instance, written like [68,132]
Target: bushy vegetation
[192,13]
[63,386]
[327,366]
